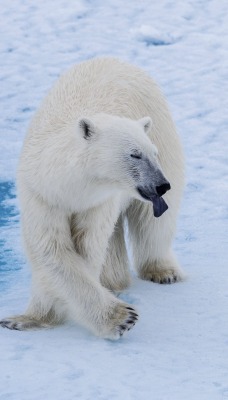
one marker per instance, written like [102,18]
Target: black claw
[133,314]
[4,324]
[123,327]
[130,308]
[15,327]
[130,321]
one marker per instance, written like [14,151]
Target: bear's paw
[122,319]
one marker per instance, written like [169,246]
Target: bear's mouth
[159,203]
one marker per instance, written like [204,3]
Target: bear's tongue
[159,204]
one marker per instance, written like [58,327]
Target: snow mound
[154,37]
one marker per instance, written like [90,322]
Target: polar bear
[102,149]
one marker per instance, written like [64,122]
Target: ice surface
[179,348]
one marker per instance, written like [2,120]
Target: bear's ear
[87,127]
[146,123]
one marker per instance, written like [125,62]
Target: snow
[179,348]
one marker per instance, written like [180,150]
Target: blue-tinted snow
[179,348]
[9,218]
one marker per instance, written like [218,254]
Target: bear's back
[101,85]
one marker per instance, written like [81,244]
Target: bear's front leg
[66,278]
[98,236]
[91,231]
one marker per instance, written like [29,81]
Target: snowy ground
[179,348]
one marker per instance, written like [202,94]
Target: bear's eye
[136,155]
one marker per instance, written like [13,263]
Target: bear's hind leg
[115,273]
[24,323]
[151,240]
[40,314]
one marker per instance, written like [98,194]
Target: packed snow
[179,348]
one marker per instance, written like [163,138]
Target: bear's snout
[155,196]
[162,189]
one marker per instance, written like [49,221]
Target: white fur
[75,190]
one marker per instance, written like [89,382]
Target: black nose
[162,189]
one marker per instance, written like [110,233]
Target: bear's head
[120,156]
